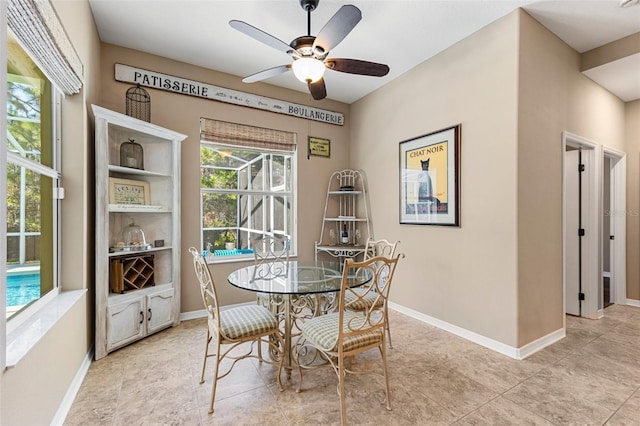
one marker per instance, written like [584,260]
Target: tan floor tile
[501,411]
[628,414]
[564,395]
[449,388]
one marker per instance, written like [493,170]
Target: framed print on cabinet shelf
[430,179]
[128,191]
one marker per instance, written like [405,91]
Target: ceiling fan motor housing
[309,5]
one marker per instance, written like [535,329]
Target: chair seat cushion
[362,303]
[246,321]
[322,331]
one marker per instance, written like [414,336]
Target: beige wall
[554,97]
[46,372]
[632,147]
[515,87]
[182,113]
[465,276]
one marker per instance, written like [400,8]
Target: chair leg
[341,379]
[215,376]
[386,317]
[383,353]
[206,355]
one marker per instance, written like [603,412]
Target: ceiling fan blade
[356,66]
[318,89]
[337,28]
[261,36]
[268,73]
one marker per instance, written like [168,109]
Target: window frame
[55,174]
[292,193]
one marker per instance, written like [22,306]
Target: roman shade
[243,135]
[39,31]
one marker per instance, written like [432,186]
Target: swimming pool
[22,288]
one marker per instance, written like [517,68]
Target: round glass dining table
[296,277]
[296,290]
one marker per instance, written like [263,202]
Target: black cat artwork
[425,189]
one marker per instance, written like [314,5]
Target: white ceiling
[401,34]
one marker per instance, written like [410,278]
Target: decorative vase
[229,246]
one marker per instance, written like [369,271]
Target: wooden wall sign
[183,86]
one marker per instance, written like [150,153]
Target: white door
[575,251]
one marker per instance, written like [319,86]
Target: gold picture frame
[128,191]
[319,147]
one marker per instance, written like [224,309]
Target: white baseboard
[184,316]
[72,391]
[494,345]
[202,313]
[633,302]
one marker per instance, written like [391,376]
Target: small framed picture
[319,147]
[128,191]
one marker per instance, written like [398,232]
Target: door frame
[618,223]
[592,223]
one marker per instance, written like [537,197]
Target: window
[245,192]
[31,182]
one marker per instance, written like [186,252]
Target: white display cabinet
[137,286]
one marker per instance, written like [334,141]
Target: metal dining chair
[348,332]
[234,327]
[376,248]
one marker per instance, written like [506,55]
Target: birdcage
[138,103]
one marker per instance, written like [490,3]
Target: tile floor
[592,377]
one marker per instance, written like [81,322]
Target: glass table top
[298,278]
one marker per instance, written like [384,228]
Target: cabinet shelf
[345,192]
[136,208]
[138,172]
[134,252]
[346,219]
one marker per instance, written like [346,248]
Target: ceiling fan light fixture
[308,70]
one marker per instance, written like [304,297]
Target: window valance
[243,135]
[38,28]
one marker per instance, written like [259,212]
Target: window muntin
[31,179]
[247,191]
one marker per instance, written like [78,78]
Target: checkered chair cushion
[322,331]
[246,321]
[356,303]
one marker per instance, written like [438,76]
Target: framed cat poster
[430,179]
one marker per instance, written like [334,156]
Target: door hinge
[580,296]
[58,193]
[611,237]
[581,232]
[581,167]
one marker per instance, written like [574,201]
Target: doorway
[593,217]
[614,214]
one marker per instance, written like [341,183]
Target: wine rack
[131,273]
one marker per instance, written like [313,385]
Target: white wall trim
[185,316]
[72,391]
[633,302]
[202,313]
[494,345]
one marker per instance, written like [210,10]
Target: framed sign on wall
[430,178]
[319,147]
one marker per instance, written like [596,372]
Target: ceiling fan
[310,53]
